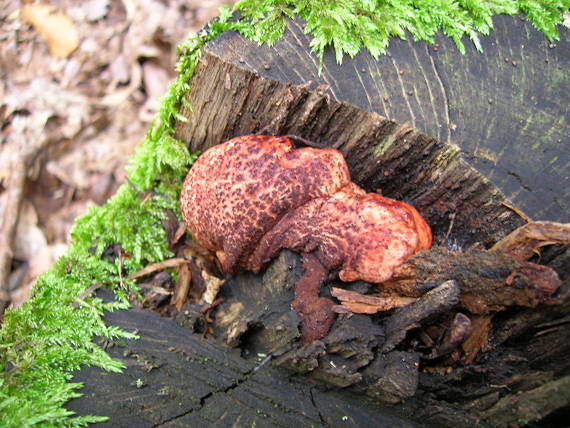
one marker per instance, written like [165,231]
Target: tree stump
[475,142]
[504,110]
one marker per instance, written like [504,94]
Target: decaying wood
[525,241]
[477,340]
[489,281]
[503,107]
[233,95]
[171,365]
[433,303]
[404,163]
[530,406]
[357,303]
[174,378]
[420,125]
[258,308]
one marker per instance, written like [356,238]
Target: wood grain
[506,108]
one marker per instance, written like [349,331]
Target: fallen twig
[182,286]
[87,293]
[433,303]
[154,267]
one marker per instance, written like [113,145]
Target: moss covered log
[51,335]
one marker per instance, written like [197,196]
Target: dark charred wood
[392,377]
[259,307]
[433,303]
[530,406]
[176,378]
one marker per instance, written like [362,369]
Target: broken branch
[154,267]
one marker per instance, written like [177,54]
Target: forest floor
[80,86]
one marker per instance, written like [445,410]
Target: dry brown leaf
[155,80]
[54,26]
[528,239]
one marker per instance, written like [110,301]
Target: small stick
[517,211]
[154,267]
[87,293]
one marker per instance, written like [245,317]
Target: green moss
[52,334]
[349,25]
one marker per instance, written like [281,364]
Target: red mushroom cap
[251,196]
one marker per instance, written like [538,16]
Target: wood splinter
[357,303]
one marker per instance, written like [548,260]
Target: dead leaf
[155,80]
[30,240]
[54,26]
[526,240]
[45,101]
[96,10]
[120,70]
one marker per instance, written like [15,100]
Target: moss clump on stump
[52,334]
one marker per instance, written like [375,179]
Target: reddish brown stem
[316,312]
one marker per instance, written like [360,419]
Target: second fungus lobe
[250,197]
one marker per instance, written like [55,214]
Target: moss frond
[349,25]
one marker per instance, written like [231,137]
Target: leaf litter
[81,83]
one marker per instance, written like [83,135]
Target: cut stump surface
[469,140]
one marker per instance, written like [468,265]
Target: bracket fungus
[250,197]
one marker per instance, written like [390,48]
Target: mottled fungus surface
[250,197]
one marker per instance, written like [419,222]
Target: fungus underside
[52,334]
